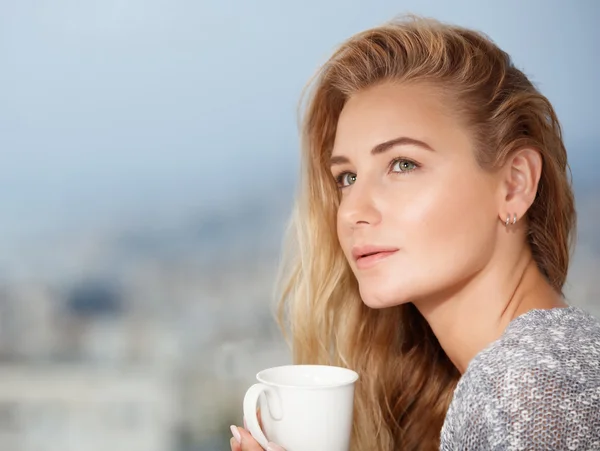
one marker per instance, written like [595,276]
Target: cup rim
[352,379]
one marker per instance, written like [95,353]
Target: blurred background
[148,157]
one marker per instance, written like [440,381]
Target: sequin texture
[536,388]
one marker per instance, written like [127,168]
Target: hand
[242,440]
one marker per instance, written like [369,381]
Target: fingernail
[236,434]
[273,447]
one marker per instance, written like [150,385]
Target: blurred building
[70,408]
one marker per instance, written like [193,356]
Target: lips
[367,256]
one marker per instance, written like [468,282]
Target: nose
[358,207]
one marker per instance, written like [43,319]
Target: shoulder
[539,383]
[560,343]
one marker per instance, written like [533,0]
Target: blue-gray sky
[108,104]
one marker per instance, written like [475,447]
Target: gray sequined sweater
[536,388]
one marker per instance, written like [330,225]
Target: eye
[345,179]
[403,165]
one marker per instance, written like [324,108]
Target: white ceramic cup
[302,407]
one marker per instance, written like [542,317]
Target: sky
[108,106]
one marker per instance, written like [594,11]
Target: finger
[236,440]
[235,446]
[259,417]
[248,442]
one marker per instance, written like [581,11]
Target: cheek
[458,210]
[445,236]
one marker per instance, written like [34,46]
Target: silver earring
[507,220]
[514,221]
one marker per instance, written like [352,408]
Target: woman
[432,239]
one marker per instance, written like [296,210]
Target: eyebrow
[384,147]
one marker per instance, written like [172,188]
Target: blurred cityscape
[138,336]
[147,165]
[144,336]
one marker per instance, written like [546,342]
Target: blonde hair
[406,380]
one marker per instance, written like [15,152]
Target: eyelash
[339,177]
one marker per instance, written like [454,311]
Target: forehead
[386,111]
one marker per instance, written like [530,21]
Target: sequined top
[535,388]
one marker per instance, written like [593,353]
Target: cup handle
[250,404]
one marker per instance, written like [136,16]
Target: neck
[473,316]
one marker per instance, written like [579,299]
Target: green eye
[346,179]
[403,165]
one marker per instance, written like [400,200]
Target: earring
[508,220]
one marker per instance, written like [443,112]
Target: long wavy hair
[406,380]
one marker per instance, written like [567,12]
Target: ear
[521,176]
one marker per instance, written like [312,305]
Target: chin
[381,297]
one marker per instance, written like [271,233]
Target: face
[418,217]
